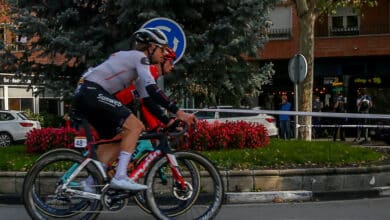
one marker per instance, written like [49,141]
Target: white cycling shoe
[126,184]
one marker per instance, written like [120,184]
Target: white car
[14,126]
[268,121]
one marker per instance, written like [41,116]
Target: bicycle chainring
[114,200]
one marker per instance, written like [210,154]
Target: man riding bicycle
[95,99]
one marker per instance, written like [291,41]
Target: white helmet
[150,35]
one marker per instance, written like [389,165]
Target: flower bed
[207,136]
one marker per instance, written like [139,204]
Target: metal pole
[297,65]
[296,109]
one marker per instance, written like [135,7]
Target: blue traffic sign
[174,33]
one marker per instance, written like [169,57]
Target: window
[205,115]
[337,22]
[9,41]
[344,22]
[2,37]
[20,104]
[281,26]
[4,116]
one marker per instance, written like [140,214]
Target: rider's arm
[147,87]
[160,98]
[155,110]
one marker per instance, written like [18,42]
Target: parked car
[14,126]
[268,121]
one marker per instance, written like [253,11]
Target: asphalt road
[362,209]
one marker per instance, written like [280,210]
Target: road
[362,209]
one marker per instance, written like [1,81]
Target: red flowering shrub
[44,139]
[229,135]
[207,136]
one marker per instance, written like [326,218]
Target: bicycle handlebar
[170,131]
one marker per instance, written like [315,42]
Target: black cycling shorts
[102,110]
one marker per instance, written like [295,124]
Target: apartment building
[351,53]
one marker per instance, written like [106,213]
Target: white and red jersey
[120,70]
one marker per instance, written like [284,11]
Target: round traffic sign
[297,68]
[173,31]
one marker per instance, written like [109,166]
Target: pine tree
[84,32]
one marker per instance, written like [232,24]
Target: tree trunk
[305,90]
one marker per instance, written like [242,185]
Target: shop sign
[368,81]
[335,84]
[337,89]
[330,80]
[9,80]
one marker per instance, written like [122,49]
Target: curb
[266,197]
[301,195]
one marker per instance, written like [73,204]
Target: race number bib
[80,142]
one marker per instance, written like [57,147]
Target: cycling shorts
[102,110]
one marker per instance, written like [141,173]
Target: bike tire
[189,169]
[207,202]
[39,186]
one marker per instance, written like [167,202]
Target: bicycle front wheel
[44,196]
[180,205]
[203,204]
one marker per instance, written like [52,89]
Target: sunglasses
[162,47]
[170,61]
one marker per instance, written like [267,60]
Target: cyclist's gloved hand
[190,119]
[174,125]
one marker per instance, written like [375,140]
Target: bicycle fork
[140,170]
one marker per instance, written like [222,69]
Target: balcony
[279,33]
[323,31]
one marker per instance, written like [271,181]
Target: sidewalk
[287,185]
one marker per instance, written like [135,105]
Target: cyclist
[94,98]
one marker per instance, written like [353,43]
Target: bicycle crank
[114,200]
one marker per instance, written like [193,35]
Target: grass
[14,158]
[295,154]
[278,154]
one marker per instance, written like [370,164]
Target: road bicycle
[181,184]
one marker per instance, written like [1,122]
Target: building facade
[351,53]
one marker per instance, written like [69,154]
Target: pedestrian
[284,120]
[317,107]
[364,106]
[339,107]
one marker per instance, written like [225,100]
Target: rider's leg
[131,129]
[108,153]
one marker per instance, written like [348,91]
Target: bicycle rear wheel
[191,175]
[43,196]
[204,204]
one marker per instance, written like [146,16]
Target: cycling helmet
[169,54]
[150,35]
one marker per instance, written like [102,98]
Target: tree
[308,11]
[84,32]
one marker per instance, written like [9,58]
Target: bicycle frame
[137,173]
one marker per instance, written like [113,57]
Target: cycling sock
[121,169]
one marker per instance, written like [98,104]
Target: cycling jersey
[120,70]
[126,96]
